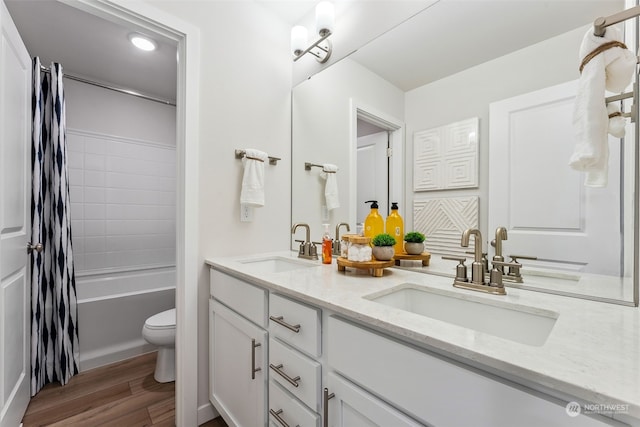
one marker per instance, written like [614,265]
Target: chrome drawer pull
[278,369]
[253,359]
[325,406]
[276,415]
[279,321]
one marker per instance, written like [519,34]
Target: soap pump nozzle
[374,203]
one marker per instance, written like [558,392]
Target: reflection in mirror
[513,66]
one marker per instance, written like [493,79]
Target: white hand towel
[612,70]
[252,193]
[331,186]
[617,122]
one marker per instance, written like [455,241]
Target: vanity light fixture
[142,42]
[321,48]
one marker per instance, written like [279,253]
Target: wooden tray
[425,257]
[376,267]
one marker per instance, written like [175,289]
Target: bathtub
[112,308]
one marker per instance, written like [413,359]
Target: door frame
[396,129]
[187,38]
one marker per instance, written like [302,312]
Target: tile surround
[123,202]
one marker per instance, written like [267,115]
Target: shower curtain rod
[113,88]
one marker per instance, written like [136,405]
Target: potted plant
[383,246]
[414,243]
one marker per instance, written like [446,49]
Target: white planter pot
[413,248]
[383,253]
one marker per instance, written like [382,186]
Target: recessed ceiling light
[142,42]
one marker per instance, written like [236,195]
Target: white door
[353,407]
[238,373]
[533,192]
[15,228]
[373,174]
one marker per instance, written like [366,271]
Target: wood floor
[120,395]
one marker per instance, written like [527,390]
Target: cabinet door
[351,406]
[238,356]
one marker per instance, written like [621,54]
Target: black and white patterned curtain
[54,312]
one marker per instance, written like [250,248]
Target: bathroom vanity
[295,342]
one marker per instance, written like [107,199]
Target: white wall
[323,123]
[122,180]
[245,82]
[112,113]
[468,94]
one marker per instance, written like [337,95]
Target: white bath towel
[331,186]
[252,193]
[612,70]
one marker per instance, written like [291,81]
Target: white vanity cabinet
[272,357]
[351,406]
[295,369]
[238,344]
[432,389]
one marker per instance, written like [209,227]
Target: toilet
[160,330]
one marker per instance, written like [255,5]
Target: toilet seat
[163,320]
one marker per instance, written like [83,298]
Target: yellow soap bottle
[395,227]
[373,223]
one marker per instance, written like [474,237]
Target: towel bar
[308,166]
[272,160]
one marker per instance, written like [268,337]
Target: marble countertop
[592,352]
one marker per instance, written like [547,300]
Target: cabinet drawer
[295,365]
[289,410]
[248,300]
[353,407]
[295,324]
[430,387]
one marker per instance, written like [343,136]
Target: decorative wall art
[443,220]
[446,157]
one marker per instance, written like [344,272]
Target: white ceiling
[450,36]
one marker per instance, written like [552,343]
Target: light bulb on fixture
[321,49]
[325,18]
[298,39]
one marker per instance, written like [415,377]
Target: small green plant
[414,237]
[383,239]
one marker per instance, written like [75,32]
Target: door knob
[37,247]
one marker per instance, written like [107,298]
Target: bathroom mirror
[428,73]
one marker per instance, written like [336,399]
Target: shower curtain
[54,313]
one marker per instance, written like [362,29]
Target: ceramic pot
[414,248]
[383,253]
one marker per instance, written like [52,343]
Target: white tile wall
[122,202]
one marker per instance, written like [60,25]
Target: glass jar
[359,249]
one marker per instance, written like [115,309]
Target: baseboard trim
[116,353]
[206,413]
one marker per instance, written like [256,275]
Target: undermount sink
[522,324]
[275,264]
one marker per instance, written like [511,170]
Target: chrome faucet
[477,267]
[336,242]
[307,249]
[501,234]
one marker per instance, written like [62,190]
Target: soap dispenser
[327,244]
[395,227]
[373,224]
